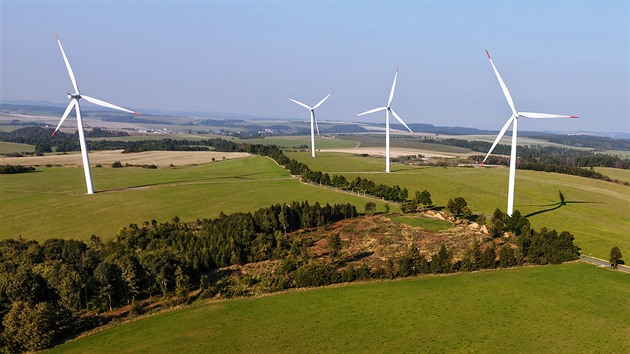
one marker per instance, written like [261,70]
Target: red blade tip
[575,117]
[136,113]
[53,134]
[488,54]
[480,166]
[56,36]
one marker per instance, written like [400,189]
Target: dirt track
[107,158]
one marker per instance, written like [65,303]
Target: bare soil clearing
[107,158]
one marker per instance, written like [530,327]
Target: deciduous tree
[615,256]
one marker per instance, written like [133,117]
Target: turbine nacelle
[76,96]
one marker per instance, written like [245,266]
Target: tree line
[538,154]
[589,141]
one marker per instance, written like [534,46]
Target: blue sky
[566,57]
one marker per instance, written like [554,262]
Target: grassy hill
[8,148]
[615,173]
[597,212]
[566,308]
[52,202]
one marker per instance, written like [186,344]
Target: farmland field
[597,213]
[52,202]
[615,173]
[369,141]
[321,142]
[7,148]
[566,308]
[108,157]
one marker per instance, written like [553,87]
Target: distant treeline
[539,154]
[43,141]
[588,141]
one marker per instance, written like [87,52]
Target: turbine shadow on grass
[244,176]
[410,169]
[149,185]
[557,205]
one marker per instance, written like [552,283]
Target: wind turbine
[513,120]
[74,103]
[313,120]
[387,110]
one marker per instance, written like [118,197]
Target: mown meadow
[51,203]
[566,308]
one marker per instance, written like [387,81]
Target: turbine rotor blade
[65,59]
[322,101]
[391,93]
[544,115]
[71,105]
[496,141]
[372,111]
[316,126]
[106,104]
[400,120]
[508,97]
[300,103]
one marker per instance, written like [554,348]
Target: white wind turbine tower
[387,110]
[513,120]
[74,103]
[313,120]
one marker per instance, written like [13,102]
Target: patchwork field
[321,142]
[615,173]
[107,158]
[597,213]
[569,308]
[52,202]
[406,143]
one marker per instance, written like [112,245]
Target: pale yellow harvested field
[107,158]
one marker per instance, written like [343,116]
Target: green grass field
[597,213]
[615,173]
[569,308]
[8,148]
[52,202]
[425,223]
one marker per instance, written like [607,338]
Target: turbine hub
[75,96]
